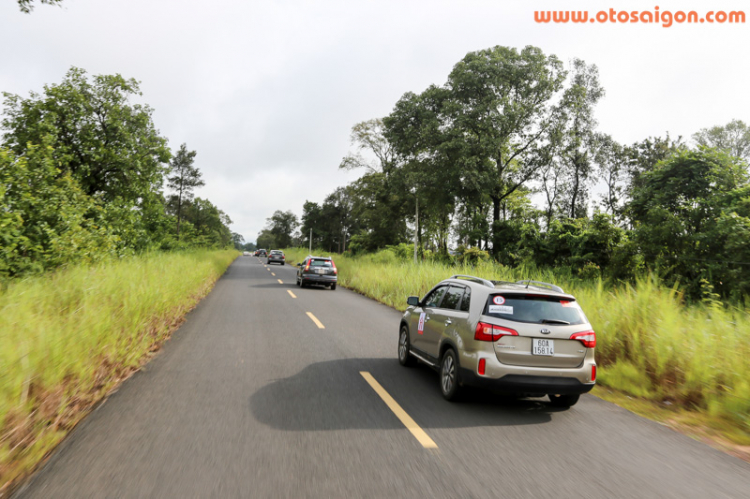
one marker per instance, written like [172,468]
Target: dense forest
[505,160]
[82,174]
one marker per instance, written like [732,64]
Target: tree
[612,162]
[184,178]
[690,213]
[312,225]
[501,104]
[44,216]
[266,240]
[281,226]
[643,156]
[577,139]
[206,225]
[238,241]
[378,187]
[109,145]
[27,6]
[368,136]
[732,138]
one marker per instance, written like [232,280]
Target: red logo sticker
[498,300]
[420,324]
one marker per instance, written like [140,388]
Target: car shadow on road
[274,284]
[333,395]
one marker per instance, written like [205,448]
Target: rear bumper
[275,260]
[523,383]
[319,279]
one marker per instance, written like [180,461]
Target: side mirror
[299,264]
[413,301]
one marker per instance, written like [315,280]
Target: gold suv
[523,337]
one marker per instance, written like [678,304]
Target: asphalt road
[250,398]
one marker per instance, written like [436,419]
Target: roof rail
[478,280]
[558,289]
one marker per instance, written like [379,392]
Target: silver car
[276,256]
[526,337]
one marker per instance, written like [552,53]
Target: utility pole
[311,240]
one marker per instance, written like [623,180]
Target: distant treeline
[82,172]
[509,124]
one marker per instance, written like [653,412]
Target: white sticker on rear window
[501,309]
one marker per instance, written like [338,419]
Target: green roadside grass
[689,364]
[68,338]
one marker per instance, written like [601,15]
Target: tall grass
[649,343]
[67,338]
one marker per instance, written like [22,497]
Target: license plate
[542,347]
[320,271]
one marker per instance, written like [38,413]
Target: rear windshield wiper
[554,321]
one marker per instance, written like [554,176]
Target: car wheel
[333,287]
[449,375]
[563,400]
[404,347]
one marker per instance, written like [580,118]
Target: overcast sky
[267,91]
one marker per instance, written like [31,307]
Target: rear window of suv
[536,309]
[320,263]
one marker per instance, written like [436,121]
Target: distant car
[317,270]
[262,252]
[528,338]
[246,253]
[276,256]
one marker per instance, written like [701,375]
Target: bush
[472,256]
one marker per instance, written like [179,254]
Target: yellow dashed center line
[280,281]
[315,320]
[413,427]
[291,294]
[273,274]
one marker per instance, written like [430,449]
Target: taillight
[482,366]
[489,332]
[335,271]
[307,267]
[588,338]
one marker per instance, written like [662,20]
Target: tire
[449,375]
[333,287]
[563,400]
[404,347]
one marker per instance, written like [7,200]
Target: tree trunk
[179,210]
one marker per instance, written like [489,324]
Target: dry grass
[68,338]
